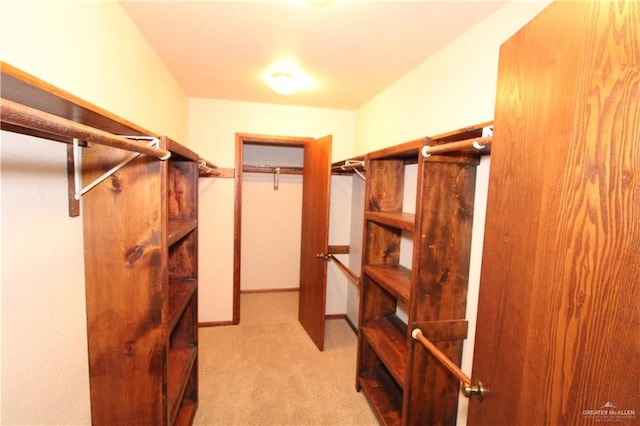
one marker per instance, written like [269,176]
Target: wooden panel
[342,249]
[376,302]
[429,377]
[183,257]
[382,244]
[385,194]
[433,394]
[445,241]
[558,333]
[123,246]
[182,192]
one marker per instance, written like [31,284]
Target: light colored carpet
[267,371]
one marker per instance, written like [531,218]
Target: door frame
[241,140]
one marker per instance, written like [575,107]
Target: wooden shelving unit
[398,377]
[141,239]
[182,195]
[141,272]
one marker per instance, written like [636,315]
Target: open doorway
[271,218]
[256,163]
[314,224]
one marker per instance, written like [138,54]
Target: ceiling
[351,49]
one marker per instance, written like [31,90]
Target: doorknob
[472,389]
[323,256]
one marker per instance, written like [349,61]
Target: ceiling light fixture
[319,2]
[283,82]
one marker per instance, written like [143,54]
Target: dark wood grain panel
[124,263]
[385,195]
[182,193]
[382,244]
[183,257]
[445,238]
[433,391]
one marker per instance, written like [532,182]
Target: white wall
[92,50]
[271,237]
[87,49]
[44,342]
[271,219]
[213,125]
[355,244]
[453,89]
[340,210]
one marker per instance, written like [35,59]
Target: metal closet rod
[349,164]
[24,116]
[264,168]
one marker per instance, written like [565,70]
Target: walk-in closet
[319,212]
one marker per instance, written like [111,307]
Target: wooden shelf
[181,151]
[178,228]
[394,278]
[180,292]
[186,413]
[383,395]
[390,345]
[408,151]
[180,365]
[26,89]
[404,221]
